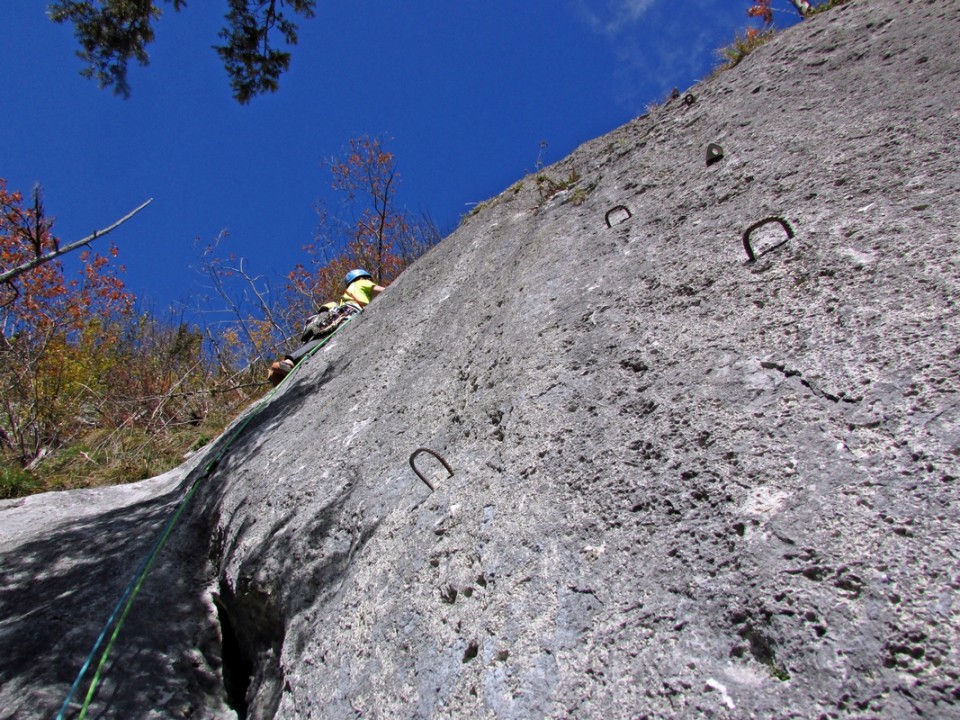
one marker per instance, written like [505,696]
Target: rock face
[684,484]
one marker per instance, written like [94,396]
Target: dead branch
[37,261]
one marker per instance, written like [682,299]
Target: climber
[359,292]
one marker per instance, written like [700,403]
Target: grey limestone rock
[684,484]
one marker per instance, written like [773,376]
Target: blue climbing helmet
[355,275]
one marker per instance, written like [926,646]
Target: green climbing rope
[133,588]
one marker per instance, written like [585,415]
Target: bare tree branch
[36,262]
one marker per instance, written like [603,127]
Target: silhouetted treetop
[113,32]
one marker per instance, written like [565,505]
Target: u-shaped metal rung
[614,209]
[413,465]
[760,223]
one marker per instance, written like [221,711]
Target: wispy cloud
[617,17]
[658,44]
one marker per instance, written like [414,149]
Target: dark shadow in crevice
[237,666]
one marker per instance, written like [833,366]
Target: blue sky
[466,92]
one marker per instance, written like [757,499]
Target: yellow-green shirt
[361,291]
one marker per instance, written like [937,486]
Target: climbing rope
[123,606]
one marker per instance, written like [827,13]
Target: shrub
[743,45]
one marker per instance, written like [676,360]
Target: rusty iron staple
[613,210]
[413,465]
[760,223]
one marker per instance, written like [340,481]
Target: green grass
[17,482]
[105,457]
[742,45]
[745,43]
[824,6]
[548,187]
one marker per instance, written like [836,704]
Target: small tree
[752,38]
[368,230]
[368,174]
[763,10]
[53,330]
[259,324]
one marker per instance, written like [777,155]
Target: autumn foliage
[366,229]
[88,387]
[371,231]
[761,9]
[753,37]
[94,390]
[55,330]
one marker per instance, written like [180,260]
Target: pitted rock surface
[685,484]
